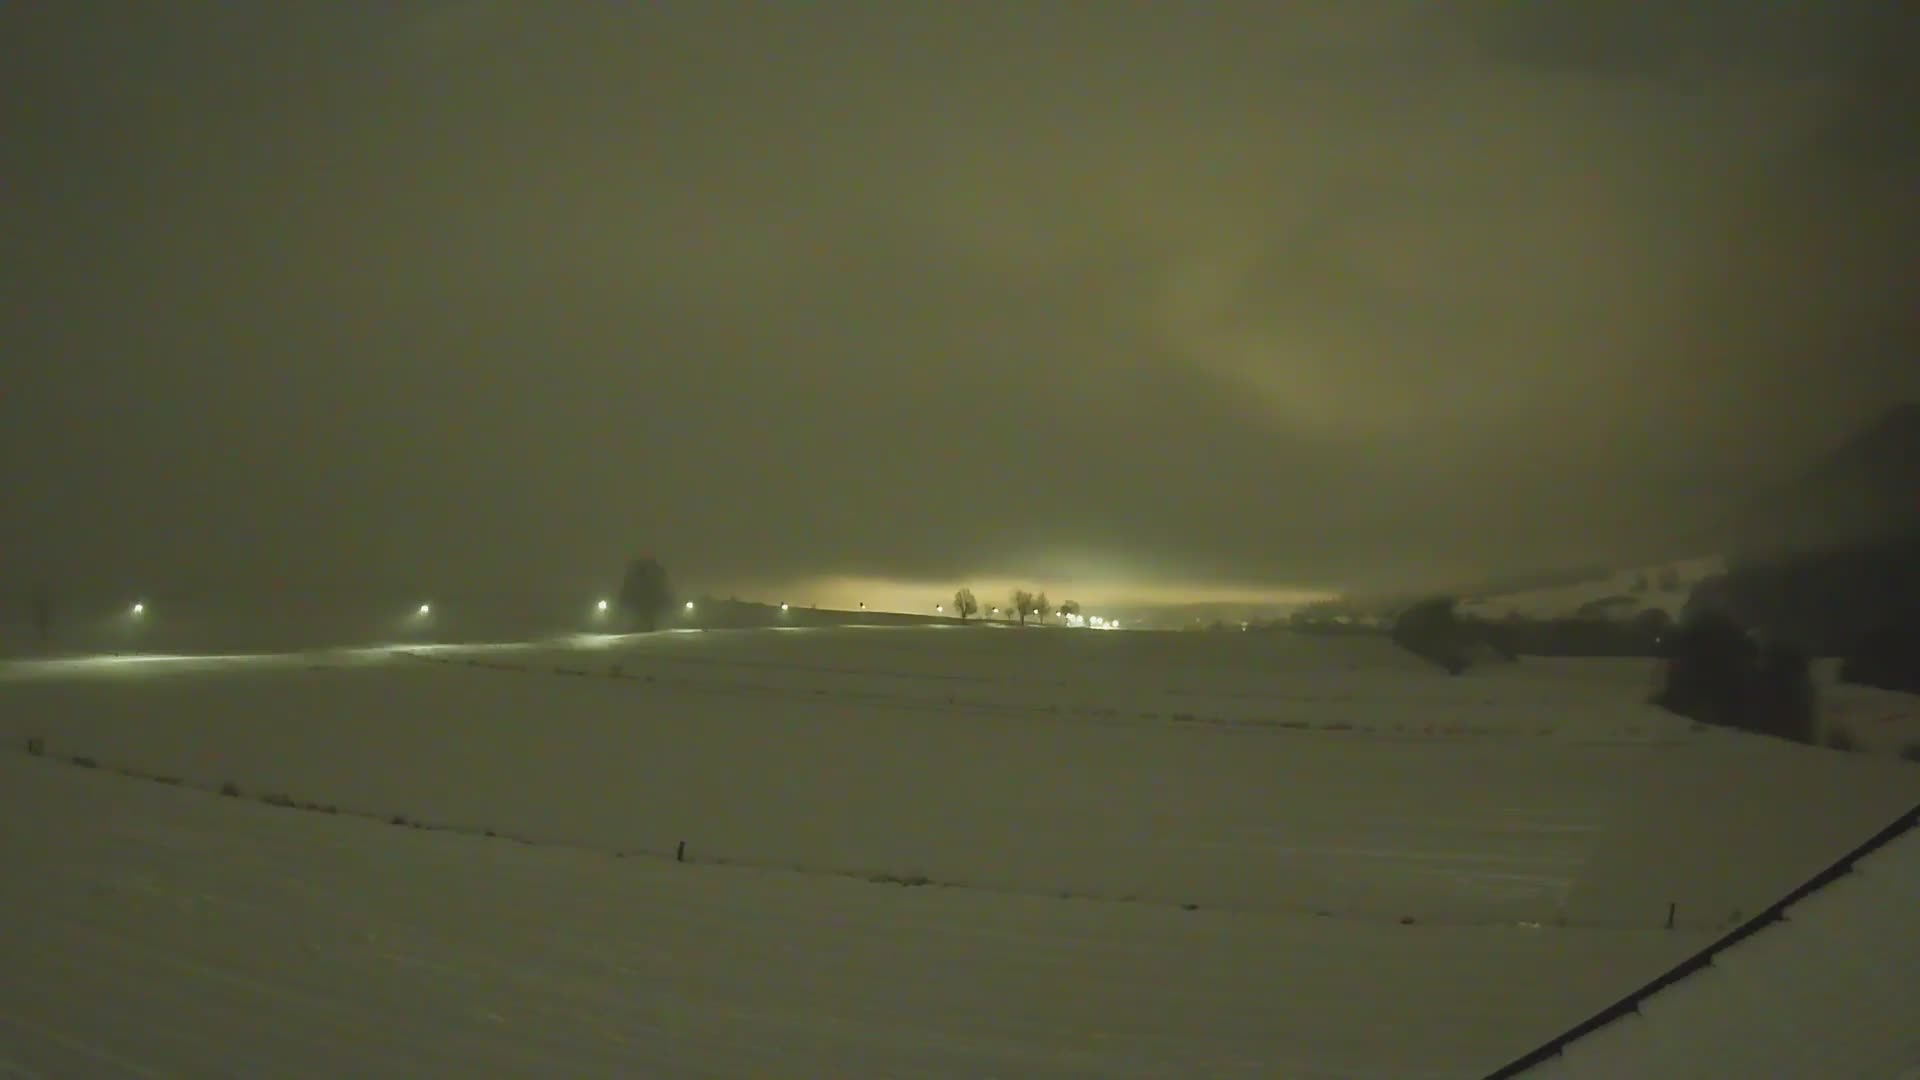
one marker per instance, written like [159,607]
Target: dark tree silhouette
[1040,607]
[965,604]
[1022,604]
[1781,700]
[1069,607]
[1710,665]
[1431,630]
[644,594]
[1887,657]
[1716,674]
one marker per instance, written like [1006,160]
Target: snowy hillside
[1152,854]
[1619,595]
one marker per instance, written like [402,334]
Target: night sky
[1264,295]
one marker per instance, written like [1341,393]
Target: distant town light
[783,605]
[939,607]
[601,606]
[139,609]
[426,609]
[689,605]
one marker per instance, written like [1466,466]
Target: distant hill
[1848,526]
[1616,595]
[1866,491]
[1832,556]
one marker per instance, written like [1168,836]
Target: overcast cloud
[1291,295]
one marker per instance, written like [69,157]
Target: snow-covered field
[1137,854]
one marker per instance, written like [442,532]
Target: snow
[1637,587]
[1146,854]
[1828,991]
[1884,722]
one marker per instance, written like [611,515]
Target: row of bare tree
[1025,604]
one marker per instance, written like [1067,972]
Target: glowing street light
[939,608]
[601,606]
[783,606]
[689,605]
[426,609]
[139,609]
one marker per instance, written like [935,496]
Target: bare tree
[1040,606]
[644,595]
[965,604]
[1022,604]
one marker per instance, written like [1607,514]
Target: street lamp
[689,605]
[426,609]
[600,607]
[139,609]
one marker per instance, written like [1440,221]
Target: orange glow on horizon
[882,594]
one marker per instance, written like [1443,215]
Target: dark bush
[230,789]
